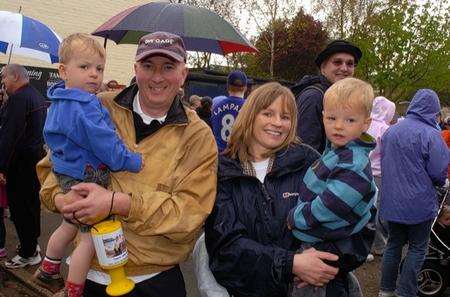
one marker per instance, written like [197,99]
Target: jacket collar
[288,160]
[175,115]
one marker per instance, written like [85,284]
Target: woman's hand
[309,267]
[93,208]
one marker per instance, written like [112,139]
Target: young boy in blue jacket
[338,190]
[84,147]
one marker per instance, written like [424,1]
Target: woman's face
[270,129]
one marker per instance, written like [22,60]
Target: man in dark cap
[337,61]
[163,206]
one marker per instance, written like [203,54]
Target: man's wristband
[112,204]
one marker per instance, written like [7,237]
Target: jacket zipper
[269,199]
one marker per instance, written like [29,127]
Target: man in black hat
[337,61]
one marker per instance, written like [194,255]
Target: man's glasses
[339,62]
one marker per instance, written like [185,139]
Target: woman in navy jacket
[252,252]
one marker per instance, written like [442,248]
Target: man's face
[159,78]
[7,80]
[338,66]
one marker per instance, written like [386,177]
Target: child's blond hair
[79,42]
[350,92]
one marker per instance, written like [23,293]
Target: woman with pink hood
[383,111]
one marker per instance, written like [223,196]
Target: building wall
[67,16]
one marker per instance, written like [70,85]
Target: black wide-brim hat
[338,46]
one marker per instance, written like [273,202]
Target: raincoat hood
[424,107]
[59,92]
[383,110]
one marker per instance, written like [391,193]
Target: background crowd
[267,143]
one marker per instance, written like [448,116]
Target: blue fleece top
[79,131]
[337,194]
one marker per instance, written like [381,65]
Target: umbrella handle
[10,53]
[12,44]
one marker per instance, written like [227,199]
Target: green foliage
[406,46]
[343,16]
[297,43]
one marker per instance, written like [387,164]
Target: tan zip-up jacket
[171,196]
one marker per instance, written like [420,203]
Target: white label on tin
[110,248]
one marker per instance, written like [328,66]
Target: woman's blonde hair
[242,132]
[79,42]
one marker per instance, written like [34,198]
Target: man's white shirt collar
[145,118]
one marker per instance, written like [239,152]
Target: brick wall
[66,17]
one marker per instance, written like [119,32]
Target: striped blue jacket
[336,194]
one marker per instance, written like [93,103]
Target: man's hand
[97,204]
[61,200]
[309,267]
[2,179]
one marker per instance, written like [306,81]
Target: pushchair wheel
[432,280]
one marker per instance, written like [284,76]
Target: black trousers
[22,188]
[167,283]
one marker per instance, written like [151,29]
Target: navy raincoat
[250,247]
[414,159]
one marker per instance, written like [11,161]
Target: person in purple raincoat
[414,160]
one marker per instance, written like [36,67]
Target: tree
[406,46]
[267,15]
[342,17]
[297,43]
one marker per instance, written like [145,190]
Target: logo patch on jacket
[289,195]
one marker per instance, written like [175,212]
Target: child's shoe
[3,253]
[53,282]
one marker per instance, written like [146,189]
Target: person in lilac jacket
[414,160]
[383,111]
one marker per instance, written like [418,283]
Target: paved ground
[49,222]
[368,274]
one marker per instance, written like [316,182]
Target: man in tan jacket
[162,207]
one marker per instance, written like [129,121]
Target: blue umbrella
[28,37]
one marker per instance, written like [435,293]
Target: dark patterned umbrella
[201,29]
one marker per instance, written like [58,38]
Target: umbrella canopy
[28,37]
[201,29]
